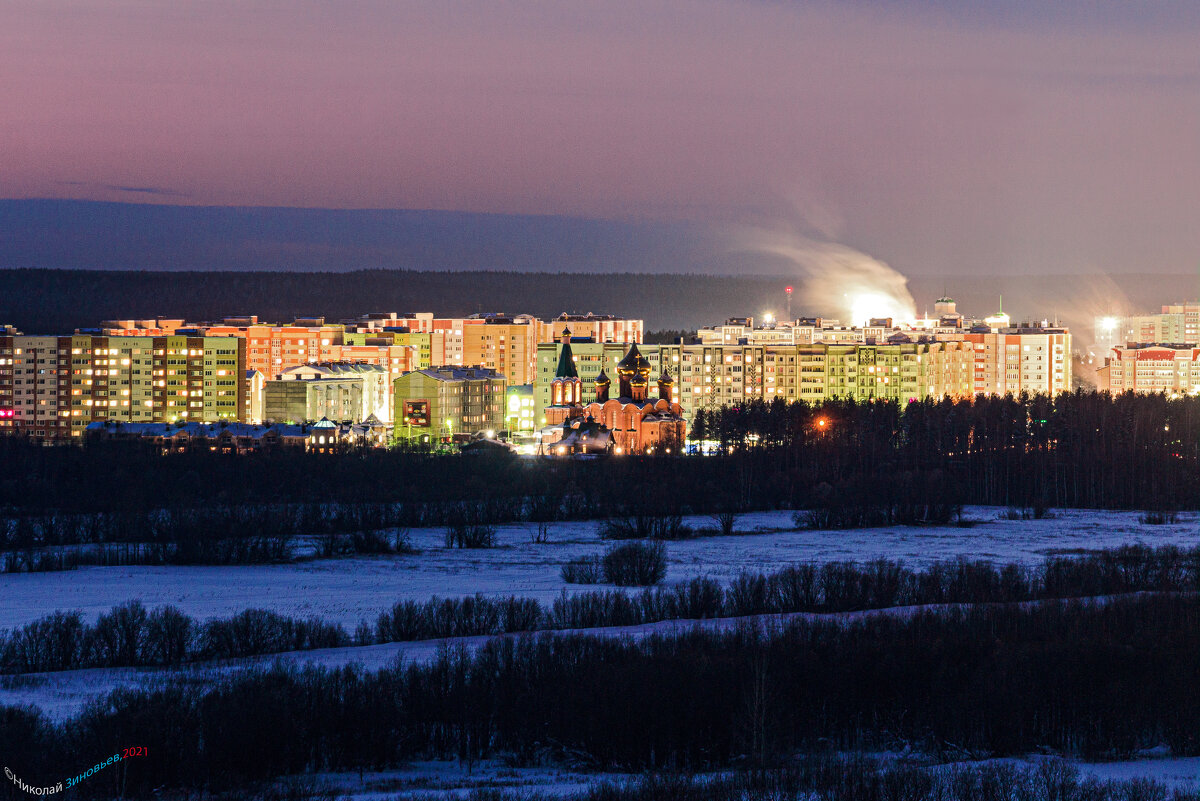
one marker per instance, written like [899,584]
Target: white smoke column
[837,278]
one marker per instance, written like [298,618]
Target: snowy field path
[349,590]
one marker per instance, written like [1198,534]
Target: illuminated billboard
[416,413]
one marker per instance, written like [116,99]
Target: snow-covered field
[348,590]
[437,780]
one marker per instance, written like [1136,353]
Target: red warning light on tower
[788,290]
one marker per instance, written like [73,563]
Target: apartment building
[508,343]
[708,376]
[437,403]
[56,386]
[597,327]
[1029,359]
[341,391]
[1173,369]
[272,349]
[590,358]
[1176,323]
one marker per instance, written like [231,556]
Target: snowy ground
[348,590]
[439,780]
[1181,773]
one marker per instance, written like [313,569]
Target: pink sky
[1005,142]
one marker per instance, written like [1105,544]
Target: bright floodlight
[768,317]
[1109,324]
[873,304]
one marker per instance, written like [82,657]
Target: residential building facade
[439,402]
[339,391]
[1172,369]
[56,386]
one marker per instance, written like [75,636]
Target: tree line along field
[1072,678]
[1079,450]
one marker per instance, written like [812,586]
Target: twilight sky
[942,137]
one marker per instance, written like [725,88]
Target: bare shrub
[583,570]
[725,522]
[463,534]
[635,564]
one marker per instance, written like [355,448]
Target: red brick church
[631,422]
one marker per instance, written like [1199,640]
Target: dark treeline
[1080,449]
[897,463]
[59,301]
[208,535]
[129,635]
[1078,678]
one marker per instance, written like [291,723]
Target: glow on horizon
[865,306]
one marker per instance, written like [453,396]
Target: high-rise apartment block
[52,387]
[1175,324]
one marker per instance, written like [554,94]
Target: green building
[437,403]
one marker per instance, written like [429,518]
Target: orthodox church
[632,421]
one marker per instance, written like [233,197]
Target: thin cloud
[145,190]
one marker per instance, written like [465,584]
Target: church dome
[634,360]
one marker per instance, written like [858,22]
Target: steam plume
[835,278]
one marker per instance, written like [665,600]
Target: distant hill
[50,301]
[58,301]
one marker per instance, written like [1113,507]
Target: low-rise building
[439,402]
[324,436]
[339,391]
